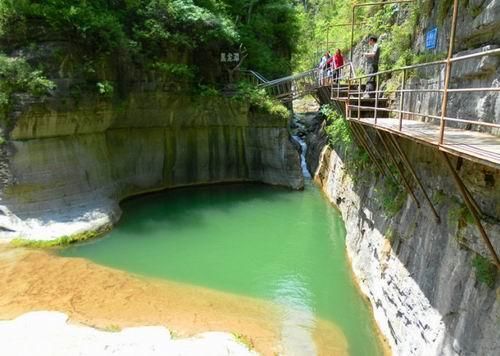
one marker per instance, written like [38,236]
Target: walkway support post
[359,99]
[375,114]
[353,22]
[377,153]
[401,99]
[470,206]
[444,104]
[406,161]
[367,148]
[396,164]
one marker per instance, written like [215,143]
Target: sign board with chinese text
[229,57]
[431,38]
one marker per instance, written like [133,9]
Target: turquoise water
[254,240]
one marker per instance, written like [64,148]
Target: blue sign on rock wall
[431,38]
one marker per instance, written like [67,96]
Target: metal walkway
[393,114]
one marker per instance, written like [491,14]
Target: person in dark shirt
[372,60]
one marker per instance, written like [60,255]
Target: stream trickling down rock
[273,244]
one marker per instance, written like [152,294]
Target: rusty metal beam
[461,187]
[377,153]
[410,168]
[401,173]
[473,202]
[401,99]
[367,148]
[471,198]
[447,75]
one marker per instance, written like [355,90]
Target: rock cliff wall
[69,162]
[426,294]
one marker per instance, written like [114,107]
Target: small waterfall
[303,145]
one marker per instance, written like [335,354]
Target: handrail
[429,64]
[259,77]
[351,71]
[296,85]
[289,78]
[443,117]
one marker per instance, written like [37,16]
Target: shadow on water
[171,205]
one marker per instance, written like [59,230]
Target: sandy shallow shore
[108,299]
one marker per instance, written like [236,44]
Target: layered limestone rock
[427,297]
[70,162]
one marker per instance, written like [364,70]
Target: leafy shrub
[391,197]
[105,88]
[356,159]
[258,97]
[174,70]
[208,91]
[460,213]
[486,272]
[16,75]
[165,22]
[89,23]
[337,129]
[103,26]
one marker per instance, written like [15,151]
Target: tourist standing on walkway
[372,59]
[330,68]
[338,61]
[322,67]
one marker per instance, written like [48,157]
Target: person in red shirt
[338,61]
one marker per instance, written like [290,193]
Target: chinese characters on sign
[431,38]
[229,57]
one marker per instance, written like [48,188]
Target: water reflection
[298,321]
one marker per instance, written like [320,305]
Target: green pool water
[270,243]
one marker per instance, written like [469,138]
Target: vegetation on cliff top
[17,76]
[165,31]
[104,45]
[260,99]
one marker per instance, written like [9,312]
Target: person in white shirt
[322,67]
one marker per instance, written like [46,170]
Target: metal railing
[340,83]
[294,86]
[443,90]
[252,77]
